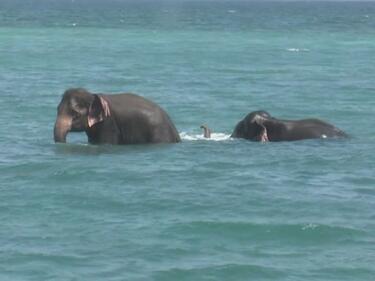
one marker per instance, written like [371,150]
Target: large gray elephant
[113,119]
[261,126]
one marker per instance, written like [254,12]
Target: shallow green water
[199,210]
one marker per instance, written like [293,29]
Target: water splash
[298,50]
[214,137]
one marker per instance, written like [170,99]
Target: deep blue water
[217,209]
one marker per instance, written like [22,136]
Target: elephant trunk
[62,126]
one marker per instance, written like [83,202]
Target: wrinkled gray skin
[206,131]
[260,126]
[113,119]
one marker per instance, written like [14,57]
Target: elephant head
[78,111]
[253,127]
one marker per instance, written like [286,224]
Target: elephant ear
[99,109]
[262,134]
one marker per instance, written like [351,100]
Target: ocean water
[217,209]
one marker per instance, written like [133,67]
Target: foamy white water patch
[214,137]
[298,50]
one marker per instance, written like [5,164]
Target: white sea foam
[214,137]
[298,50]
[309,226]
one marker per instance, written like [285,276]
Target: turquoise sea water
[217,209]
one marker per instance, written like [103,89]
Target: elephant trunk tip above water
[206,131]
[113,119]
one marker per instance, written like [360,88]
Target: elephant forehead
[77,95]
[76,92]
[259,118]
[76,102]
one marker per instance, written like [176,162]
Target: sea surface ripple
[219,209]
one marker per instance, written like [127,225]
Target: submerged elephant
[113,119]
[261,126]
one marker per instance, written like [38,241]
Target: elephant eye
[76,114]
